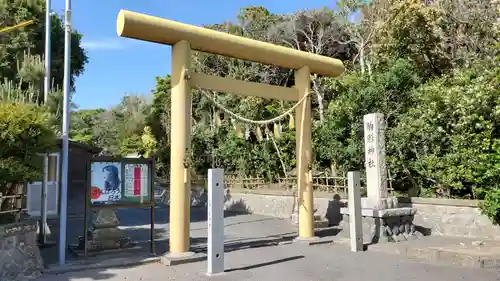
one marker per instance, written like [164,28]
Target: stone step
[321,223]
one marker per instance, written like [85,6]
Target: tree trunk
[362,60]
[319,98]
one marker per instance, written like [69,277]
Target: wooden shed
[79,155]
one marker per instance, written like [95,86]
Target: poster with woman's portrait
[106,187]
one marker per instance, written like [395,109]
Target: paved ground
[285,262]
[293,263]
[239,229]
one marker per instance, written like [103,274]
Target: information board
[120,181]
[105,182]
[137,185]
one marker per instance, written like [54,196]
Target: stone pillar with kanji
[376,173]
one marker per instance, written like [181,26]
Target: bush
[24,132]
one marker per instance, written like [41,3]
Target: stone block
[321,224]
[104,234]
[19,253]
[389,225]
[170,259]
[312,240]
[105,218]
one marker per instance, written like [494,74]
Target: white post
[46,90]
[43,206]
[65,133]
[354,205]
[376,174]
[215,221]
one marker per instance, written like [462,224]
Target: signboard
[119,181]
[105,182]
[137,182]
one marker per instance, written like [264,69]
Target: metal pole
[65,133]
[46,89]
[215,244]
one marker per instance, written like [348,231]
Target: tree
[24,133]
[82,125]
[314,31]
[159,122]
[449,140]
[339,141]
[432,71]
[15,44]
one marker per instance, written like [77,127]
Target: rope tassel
[277,130]
[291,122]
[258,133]
[217,118]
[237,128]
[247,132]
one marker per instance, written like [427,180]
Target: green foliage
[448,140]
[148,143]
[24,132]
[430,68]
[14,44]
[339,139]
[26,127]
[159,121]
[491,205]
[82,123]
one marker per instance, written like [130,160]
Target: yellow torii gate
[184,38]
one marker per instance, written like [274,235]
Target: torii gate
[184,38]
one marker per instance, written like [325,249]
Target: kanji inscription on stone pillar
[376,174]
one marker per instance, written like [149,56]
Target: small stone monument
[376,173]
[381,212]
[105,234]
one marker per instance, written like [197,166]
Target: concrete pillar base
[170,259]
[310,241]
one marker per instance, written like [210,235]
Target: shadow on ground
[242,231]
[139,216]
[265,264]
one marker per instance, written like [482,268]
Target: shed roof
[81,145]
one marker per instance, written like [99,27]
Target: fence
[320,183]
[11,204]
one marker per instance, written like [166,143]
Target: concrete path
[293,263]
[270,261]
[240,230]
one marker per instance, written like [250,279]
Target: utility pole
[46,89]
[65,133]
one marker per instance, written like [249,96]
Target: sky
[120,66]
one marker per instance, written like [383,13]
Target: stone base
[389,225]
[105,234]
[312,240]
[170,259]
[95,245]
[19,254]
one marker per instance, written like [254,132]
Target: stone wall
[19,254]
[449,217]
[453,217]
